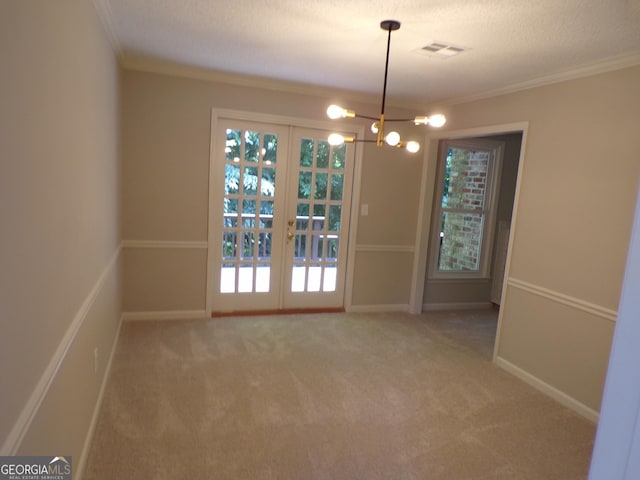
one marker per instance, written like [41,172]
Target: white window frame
[489,210]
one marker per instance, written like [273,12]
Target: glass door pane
[248,182]
[322,180]
[248,208]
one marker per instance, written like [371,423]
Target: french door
[280,218]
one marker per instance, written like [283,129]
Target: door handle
[290,234]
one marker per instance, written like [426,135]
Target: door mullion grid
[257,228]
[312,213]
[256,216]
[235,231]
[240,258]
[312,210]
[328,204]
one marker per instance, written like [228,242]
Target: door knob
[290,234]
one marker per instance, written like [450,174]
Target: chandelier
[378,126]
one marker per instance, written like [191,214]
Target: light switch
[364,209]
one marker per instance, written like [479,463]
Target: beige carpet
[328,396]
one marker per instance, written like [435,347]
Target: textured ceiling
[339,43]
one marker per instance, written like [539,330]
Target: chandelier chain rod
[386,71]
[358,115]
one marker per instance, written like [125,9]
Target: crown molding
[136,62]
[618,62]
[165,67]
[103,9]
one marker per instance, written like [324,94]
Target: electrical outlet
[95,360]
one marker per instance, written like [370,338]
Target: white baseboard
[166,315]
[456,306]
[403,307]
[79,470]
[570,402]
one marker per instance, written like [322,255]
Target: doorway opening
[471,220]
[479,290]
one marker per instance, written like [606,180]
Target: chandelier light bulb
[392,138]
[413,146]
[336,111]
[374,127]
[437,120]
[335,139]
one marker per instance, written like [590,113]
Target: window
[466,196]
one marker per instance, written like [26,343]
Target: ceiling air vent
[441,49]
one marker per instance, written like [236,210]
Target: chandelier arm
[399,119]
[367,117]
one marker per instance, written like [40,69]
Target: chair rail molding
[165,244]
[592,308]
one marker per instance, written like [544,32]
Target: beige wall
[578,185]
[59,208]
[166,142]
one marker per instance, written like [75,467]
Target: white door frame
[216,115]
[428,184]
